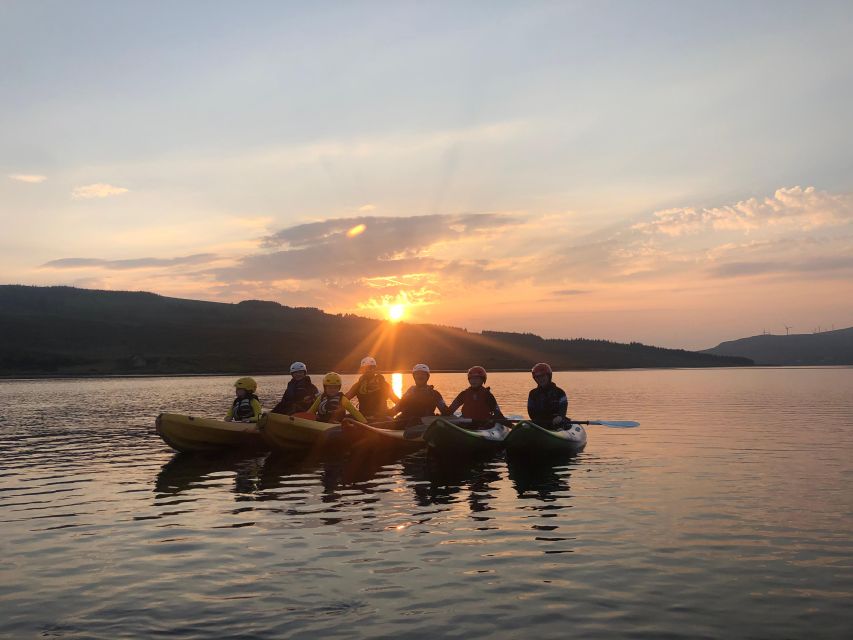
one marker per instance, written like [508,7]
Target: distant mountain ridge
[825,348]
[69,331]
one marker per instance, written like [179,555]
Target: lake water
[728,513]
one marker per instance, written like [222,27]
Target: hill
[69,331]
[825,348]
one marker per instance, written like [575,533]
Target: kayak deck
[447,438]
[530,438]
[191,434]
[297,432]
[360,433]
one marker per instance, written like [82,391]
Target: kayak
[529,438]
[445,437]
[297,431]
[360,433]
[190,434]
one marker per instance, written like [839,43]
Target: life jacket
[298,396]
[419,401]
[242,409]
[546,403]
[372,393]
[478,404]
[329,406]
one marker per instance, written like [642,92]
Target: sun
[396,312]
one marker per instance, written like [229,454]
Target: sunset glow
[587,193]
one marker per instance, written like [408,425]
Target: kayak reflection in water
[419,400]
[300,392]
[547,404]
[246,406]
[477,402]
[372,390]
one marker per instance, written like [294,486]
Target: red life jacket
[477,404]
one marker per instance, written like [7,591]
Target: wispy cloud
[569,292]
[132,263]
[27,177]
[97,190]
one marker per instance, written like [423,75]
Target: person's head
[245,386]
[542,373]
[332,383]
[298,370]
[368,364]
[477,376]
[420,372]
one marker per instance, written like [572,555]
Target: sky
[674,173]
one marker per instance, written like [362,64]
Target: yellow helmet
[332,379]
[248,384]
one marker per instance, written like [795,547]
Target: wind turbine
[787,329]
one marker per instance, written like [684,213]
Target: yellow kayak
[190,434]
[298,431]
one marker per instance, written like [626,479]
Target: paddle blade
[618,424]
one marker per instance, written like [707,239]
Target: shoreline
[121,376]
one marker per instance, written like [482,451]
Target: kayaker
[372,390]
[477,401]
[332,405]
[300,392]
[420,400]
[246,406]
[547,404]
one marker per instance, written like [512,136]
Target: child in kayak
[332,405]
[246,406]
[547,404]
[477,401]
[419,400]
[300,392]
[372,390]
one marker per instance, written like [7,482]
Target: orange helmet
[477,371]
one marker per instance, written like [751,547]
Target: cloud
[367,208]
[132,263]
[386,246]
[806,208]
[26,177]
[812,265]
[569,292]
[97,190]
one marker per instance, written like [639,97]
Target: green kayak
[447,438]
[531,439]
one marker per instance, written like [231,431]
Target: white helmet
[420,367]
[298,366]
[367,361]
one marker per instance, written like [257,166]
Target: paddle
[617,424]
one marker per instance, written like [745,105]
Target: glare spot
[356,230]
[396,312]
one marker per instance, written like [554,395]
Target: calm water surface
[729,513]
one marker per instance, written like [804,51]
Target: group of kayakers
[547,404]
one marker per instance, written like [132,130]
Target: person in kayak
[420,400]
[372,390]
[332,405]
[477,401]
[246,406]
[547,404]
[300,392]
